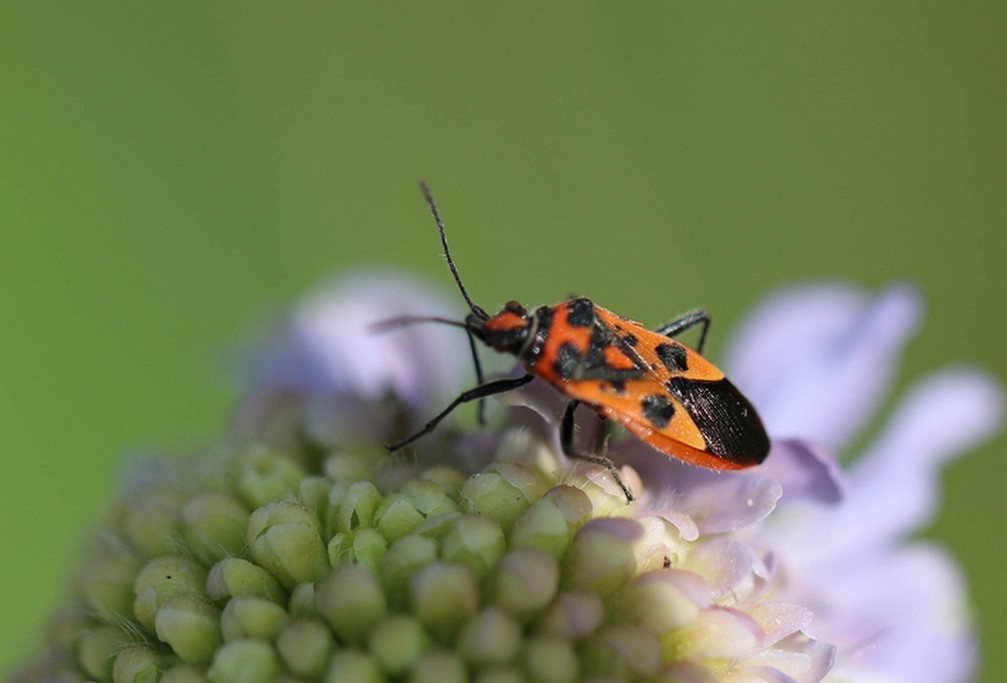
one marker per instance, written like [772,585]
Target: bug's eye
[515,307]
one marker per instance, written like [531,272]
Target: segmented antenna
[479,312]
[476,310]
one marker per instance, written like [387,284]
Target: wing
[660,390]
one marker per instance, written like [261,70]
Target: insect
[660,390]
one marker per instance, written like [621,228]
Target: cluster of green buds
[261,565]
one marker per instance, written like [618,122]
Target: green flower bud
[490,494]
[437,527]
[369,548]
[601,557]
[353,665]
[249,616]
[551,660]
[357,507]
[139,664]
[444,596]
[106,582]
[213,525]
[492,637]
[476,541]
[302,601]
[162,579]
[663,600]
[184,673]
[191,626]
[152,525]
[429,497]
[438,667]
[244,661]
[351,600]
[397,642]
[262,476]
[284,538]
[406,556]
[448,478]
[625,651]
[339,548]
[396,516]
[525,582]
[573,615]
[313,493]
[504,674]
[550,523]
[305,646]
[96,651]
[234,576]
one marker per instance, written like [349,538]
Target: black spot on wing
[729,424]
[568,361]
[673,356]
[580,312]
[658,409]
[618,386]
[543,316]
[629,339]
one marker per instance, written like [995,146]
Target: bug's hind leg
[566,443]
[482,391]
[685,322]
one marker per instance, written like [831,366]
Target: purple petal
[943,417]
[780,619]
[903,616]
[817,361]
[326,345]
[715,501]
[894,487]
[805,472]
[797,658]
[725,564]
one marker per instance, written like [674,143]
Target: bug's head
[506,331]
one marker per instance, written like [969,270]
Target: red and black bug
[662,391]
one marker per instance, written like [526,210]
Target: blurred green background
[173,172]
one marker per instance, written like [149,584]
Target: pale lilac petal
[805,472]
[817,361]
[744,499]
[725,564]
[327,346]
[894,487]
[798,658]
[780,619]
[903,616]
[942,417]
[720,633]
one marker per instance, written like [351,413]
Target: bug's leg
[566,443]
[685,322]
[601,436]
[480,380]
[482,391]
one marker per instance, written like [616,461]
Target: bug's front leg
[482,391]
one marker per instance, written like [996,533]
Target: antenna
[476,310]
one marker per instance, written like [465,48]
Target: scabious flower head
[300,550]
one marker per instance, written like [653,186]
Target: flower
[300,549]
[895,608]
